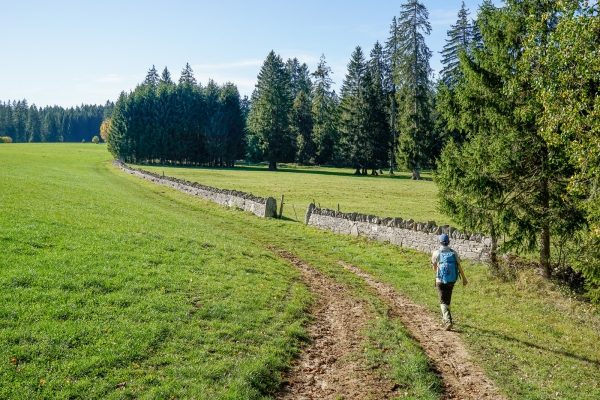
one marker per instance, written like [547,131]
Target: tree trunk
[416,174]
[373,172]
[272,166]
[545,251]
[357,172]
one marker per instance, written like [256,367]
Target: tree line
[383,117]
[23,123]
[184,123]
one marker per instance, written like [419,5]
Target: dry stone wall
[421,236]
[266,208]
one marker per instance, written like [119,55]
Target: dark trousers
[445,292]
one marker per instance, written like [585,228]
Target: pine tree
[460,37]
[152,77]
[269,118]
[412,76]
[187,76]
[324,113]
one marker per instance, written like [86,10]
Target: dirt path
[462,379]
[330,368]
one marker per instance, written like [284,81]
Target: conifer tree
[269,117]
[165,77]
[33,127]
[392,56]
[376,100]
[187,76]
[353,114]
[324,113]
[505,178]
[152,77]
[412,76]
[302,128]
[460,37]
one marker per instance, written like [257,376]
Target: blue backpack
[447,270]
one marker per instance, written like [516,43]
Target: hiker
[446,264]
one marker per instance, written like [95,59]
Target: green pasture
[383,195]
[114,287]
[117,288]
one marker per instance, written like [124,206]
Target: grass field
[384,195]
[114,287]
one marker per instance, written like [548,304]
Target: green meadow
[383,195]
[117,288]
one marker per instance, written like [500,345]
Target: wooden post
[281,207]
[338,207]
[294,207]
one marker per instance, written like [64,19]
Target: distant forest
[24,123]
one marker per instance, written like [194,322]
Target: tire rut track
[330,367]
[462,378]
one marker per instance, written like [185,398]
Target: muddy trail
[330,367]
[461,378]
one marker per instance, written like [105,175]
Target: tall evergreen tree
[517,179]
[299,77]
[165,77]
[269,118]
[324,113]
[353,114]
[460,37]
[302,128]
[152,77]
[412,76]
[187,76]
[378,126]
[392,57]
[33,128]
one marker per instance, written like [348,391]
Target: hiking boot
[448,326]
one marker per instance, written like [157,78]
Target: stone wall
[421,236]
[266,208]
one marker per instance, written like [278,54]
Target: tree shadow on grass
[283,169]
[511,339]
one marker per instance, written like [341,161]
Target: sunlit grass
[383,195]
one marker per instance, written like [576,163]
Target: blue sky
[73,52]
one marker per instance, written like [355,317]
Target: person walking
[446,265]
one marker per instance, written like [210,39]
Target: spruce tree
[353,114]
[302,128]
[269,117]
[505,179]
[460,37]
[152,77]
[412,76]
[165,77]
[33,127]
[187,76]
[376,100]
[324,113]
[392,56]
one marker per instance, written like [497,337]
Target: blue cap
[444,239]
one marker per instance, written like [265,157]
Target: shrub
[95,139]
[5,139]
